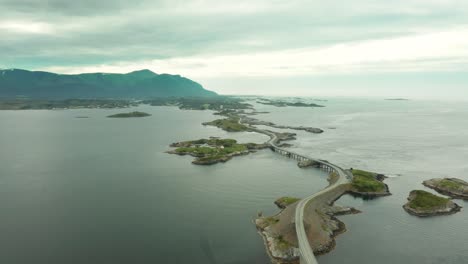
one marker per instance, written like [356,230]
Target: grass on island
[217,103]
[228,124]
[287,200]
[210,149]
[204,151]
[364,181]
[426,200]
[451,185]
[131,114]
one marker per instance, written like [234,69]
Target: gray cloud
[98,32]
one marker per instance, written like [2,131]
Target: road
[307,254]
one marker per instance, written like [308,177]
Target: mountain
[138,84]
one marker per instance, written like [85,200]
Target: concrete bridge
[322,164]
[306,253]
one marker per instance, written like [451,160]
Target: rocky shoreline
[213,150]
[372,178]
[453,187]
[255,122]
[321,217]
[423,204]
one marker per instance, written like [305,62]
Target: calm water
[101,190]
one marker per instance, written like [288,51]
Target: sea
[101,190]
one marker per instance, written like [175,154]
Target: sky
[375,48]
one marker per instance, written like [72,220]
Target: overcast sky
[402,48]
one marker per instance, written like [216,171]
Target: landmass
[285,201]
[230,124]
[255,122]
[320,220]
[368,184]
[452,187]
[423,204]
[39,104]
[280,103]
[397,99]
[217,103]
[214,150]
[129,115]
[142,84]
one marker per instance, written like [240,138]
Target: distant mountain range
[142,84]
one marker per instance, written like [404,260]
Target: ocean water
[410,141]
[100,190]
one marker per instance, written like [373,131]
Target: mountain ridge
[140,84]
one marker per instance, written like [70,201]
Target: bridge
[306,253]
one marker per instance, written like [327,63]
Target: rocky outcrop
[307,129]
[368,185]
[255,122]
[452,187]
[283,202]
[421,203]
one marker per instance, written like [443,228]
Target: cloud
[439,51]
[26,27]
[210,39]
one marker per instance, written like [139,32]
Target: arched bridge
[306,253]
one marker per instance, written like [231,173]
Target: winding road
[344,177]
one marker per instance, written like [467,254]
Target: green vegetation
[423,200]
[27,104]
[451,185]
[282,244]
[284,103]
[228,124]
[137,84]
[217,103]
[131,114]
[213,150]
[271,220]
[285,201]
[366,182]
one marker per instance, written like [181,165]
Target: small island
[231,124]
[279,103]
[129,115]
[214,150]
[255,122]
[452,187]
[397,99]
[421,203]
[368,184]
